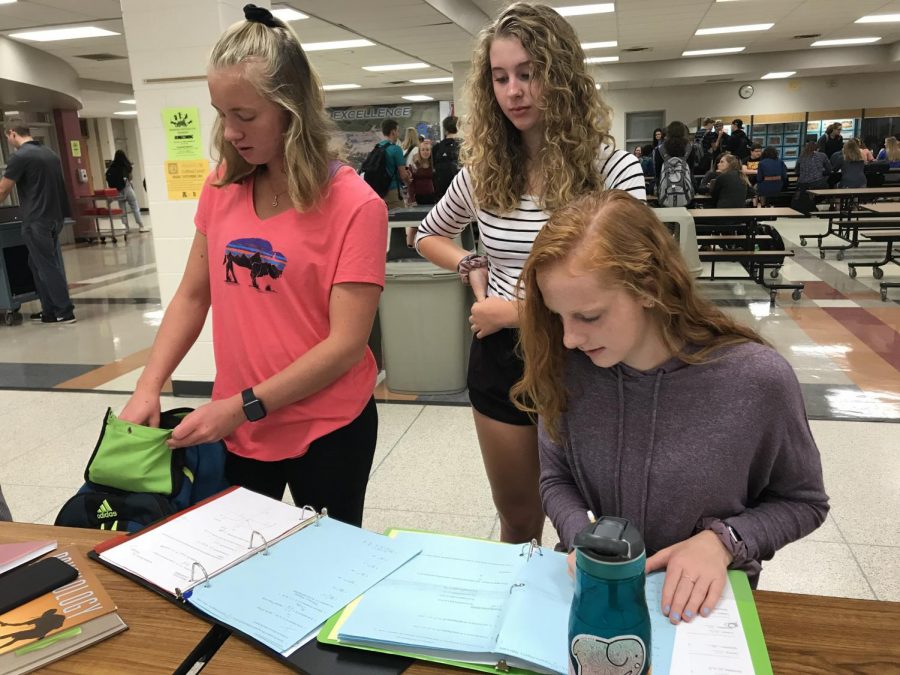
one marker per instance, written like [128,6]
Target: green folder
[743,595]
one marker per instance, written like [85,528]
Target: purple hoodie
[727,439]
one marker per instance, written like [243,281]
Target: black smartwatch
[253,407]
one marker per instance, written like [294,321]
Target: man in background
[395,164]
[37,173]
[445,156]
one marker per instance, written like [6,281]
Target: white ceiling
[441,32]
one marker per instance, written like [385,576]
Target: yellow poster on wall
[182,127]
[184,179]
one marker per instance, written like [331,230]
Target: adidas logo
[106,511]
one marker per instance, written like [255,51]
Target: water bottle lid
[610,539]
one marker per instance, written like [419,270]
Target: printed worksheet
[216,535]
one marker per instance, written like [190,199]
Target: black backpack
[201,472]
[374,169]
[445,160]
[115,177]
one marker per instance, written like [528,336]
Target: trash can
[16,283]
[423,312]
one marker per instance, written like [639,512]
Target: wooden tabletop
[862,192]
[757,213]
[804,633]
[890,208]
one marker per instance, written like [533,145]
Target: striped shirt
[507,238]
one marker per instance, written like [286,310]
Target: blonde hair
[576,121]
[421,162]
[732,163]
[851,151]
[613,234]
[276,65]
[892,149]
[411,140]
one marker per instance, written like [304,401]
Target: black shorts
[494,367]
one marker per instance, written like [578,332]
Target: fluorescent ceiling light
[338,87]
[396,66]
[288,14]
[432,80]
[599,45]
[335,44]
[7,2]
[581,10]
[721,50]
[845,41]
[55,34]
[878,18]
[126,112]
[601,59]
[417,97]
[748,28]
[129,101]
[9,113]
[778,75]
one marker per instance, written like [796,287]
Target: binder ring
[202,569]
[256,533]
[531,548]
[306,508]
[322,514]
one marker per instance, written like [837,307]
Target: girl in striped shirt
[538,137]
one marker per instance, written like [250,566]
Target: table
[755,262]
[884,208]
[848,221]
[804,633]
[755,214]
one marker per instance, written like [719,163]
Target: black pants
[333,473]
[46,263]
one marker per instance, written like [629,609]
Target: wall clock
[746,91]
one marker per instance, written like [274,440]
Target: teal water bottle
[609,624]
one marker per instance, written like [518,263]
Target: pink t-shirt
[270,285]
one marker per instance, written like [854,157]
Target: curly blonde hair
[277,67]
[613,234]
[576,121]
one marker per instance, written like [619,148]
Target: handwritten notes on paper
[280,597]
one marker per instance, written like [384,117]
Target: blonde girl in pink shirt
[289,253]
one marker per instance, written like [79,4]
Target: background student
[303,239]
[636,378]
[537,137]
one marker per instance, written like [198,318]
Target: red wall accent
[68,128]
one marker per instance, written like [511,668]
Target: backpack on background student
[445,160]
[374,169]
[676,185]
[115,177]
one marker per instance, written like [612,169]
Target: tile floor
[840,338]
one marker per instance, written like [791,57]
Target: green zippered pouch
[135,458]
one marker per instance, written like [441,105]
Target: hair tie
[261,15]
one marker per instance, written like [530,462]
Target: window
[639,127]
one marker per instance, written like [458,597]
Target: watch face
[746,91]
[254,411]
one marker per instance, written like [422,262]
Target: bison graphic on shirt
[256,255]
